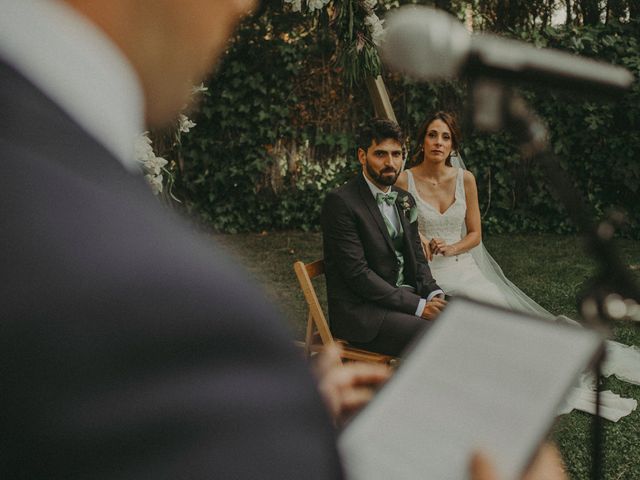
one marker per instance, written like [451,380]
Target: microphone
[429,44]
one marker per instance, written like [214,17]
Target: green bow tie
[388,198]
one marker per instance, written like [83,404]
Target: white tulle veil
[516,298]
[623,361]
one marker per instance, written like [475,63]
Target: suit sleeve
[424,279]
[347,255]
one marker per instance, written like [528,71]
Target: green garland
[357,29]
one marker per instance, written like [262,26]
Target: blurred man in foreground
[131,348]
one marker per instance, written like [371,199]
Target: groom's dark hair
[379,129]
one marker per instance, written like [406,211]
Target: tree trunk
[569,19]
[500,24]
[514,10]
[616,9]
[634,9]
[547,13]
[444,5]
[590,12]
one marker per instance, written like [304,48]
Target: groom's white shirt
[97,87]
[391,213]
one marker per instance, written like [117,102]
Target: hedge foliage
[276,133]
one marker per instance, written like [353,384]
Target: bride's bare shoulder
[468,178]
[403,180]
[470,184]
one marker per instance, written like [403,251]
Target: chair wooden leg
[309,336]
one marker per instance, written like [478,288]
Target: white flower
[317,4]
[197,89]
[154,165]
[151,165]
[156,183]
[375,27]
[296,5]
[184,124]
[142,148]
[369,5]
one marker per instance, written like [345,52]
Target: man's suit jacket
[131,348]
[360,264]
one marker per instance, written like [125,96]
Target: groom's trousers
[397,330]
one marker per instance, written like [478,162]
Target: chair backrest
[305,274]
[317,322]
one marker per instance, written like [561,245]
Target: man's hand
[346,388]
[547,466]
[433,308]
[426,247]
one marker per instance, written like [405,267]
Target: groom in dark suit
[379,286]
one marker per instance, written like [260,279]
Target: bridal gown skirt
[460,276]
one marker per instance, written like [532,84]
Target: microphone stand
[612,294]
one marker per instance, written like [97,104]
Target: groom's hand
[435,245]
[426,247]
[433,308]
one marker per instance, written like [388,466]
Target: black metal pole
[531,134]
[597,432]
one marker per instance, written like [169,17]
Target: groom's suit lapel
[372,206]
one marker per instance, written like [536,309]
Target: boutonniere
[410,211]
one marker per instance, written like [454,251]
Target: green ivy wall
[275,132]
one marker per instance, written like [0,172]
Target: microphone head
[424,43]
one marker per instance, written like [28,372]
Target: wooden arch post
[380,98]
[381,103]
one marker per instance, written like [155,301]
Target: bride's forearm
[471,240]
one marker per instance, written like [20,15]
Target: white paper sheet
[481,378]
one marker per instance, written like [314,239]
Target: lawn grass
[551,269]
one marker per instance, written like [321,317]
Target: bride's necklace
[434,182]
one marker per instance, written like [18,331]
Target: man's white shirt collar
[79,68]
[389,211]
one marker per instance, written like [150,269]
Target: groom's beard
[387,176]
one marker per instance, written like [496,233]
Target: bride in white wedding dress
[450,226]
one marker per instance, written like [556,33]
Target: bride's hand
[439,247]
[448,250]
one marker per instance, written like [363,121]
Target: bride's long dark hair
[451,122]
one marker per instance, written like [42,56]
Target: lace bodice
[448,225]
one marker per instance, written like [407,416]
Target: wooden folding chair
[318,334]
